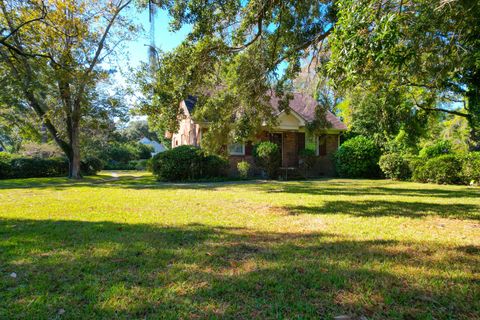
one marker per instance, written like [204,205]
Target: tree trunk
[74,158]
[473,108]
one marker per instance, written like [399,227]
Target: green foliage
[22,167]
[444,169]
[231,70]
[428,50]
[267,156]
[395,166]
[471,168]
[437,149]
[243,168]
[91,165]
[13,166]
[138,164]
[186,163]
[118,155]
[357,158]
[6,170]
[308,157]
[383,114]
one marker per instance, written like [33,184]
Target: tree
[237,52]
[53,53]
[428,50]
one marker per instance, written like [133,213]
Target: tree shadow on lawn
[379,208]
[112,270]
[323,187]
[354,188]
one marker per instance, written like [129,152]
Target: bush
[37,167]
[437,149]
[187,163]
[123,156]
[357,158]
[12,166]
[267,156]
[395,166]
[471,168]
[243,168]
[6,170]
[91,165]
[445,169]
[138,164]
[308,157]
[144,151]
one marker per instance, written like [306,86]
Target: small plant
[243,168]
[267,156]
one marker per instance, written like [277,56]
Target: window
[236,149]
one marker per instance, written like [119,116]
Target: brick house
[290,135]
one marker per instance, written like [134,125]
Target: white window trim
[242,153]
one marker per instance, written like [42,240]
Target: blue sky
[137,50]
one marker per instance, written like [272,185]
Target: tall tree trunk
[74,158]
[473,108]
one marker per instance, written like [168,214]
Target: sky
[137,50]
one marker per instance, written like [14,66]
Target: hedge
[13,166]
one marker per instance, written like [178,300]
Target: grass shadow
[379,208]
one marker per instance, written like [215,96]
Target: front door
[277,138]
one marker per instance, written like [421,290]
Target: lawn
[129,247]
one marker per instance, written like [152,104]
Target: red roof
[305,106]
[301,103]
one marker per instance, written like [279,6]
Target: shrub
[144,151]
[6,170]
[437,149]
[37,167]
[357,158]
[267,156]
[395,166]
[471,168]
[187,163]
[243,168]
[445,169]
[137,165]
[91,165]
[212,166]
[308,157]
[12,166]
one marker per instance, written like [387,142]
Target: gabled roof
[303,105]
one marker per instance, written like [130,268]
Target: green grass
[130,247]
